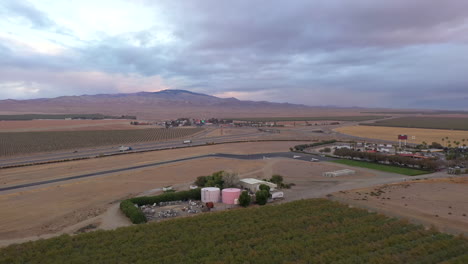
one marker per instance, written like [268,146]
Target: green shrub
[264,187]
[244,199]
[261,197]
[194,194]
[132,212]
[277,179]
[201,181]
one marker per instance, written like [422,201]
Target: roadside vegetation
[14,143]
[305,146]
[455,123]
[306,231]
[428,164]
[381,167]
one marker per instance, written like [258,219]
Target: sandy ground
[66,125]
[35,173]
[52,208]
[442,203]
[391,133]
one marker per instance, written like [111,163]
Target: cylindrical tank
[230,195]
[210,194]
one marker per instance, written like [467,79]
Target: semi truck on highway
[187,141]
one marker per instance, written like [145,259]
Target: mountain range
[158,105]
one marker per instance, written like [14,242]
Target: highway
[109,150]
[301,156]
[197,140]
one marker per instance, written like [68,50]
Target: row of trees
[304,146]
[220,179]
[426,164]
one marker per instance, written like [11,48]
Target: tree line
[430,164]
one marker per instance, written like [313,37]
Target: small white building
[254,184]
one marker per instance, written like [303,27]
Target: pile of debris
[167,213]
[157,211]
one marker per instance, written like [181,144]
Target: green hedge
[166,197]
[132,212]
[136,215]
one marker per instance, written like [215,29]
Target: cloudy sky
[369,53]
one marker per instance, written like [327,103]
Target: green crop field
[306,231]
[319,118]
[455,123]
[381,167]
[14,143]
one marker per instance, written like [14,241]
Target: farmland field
[66,125]
[52,116]
[30,142]
[306,231]
[391,133]
[381,167]
[319,118]
[425,122]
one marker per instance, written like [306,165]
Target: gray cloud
[27,12]
[352,53]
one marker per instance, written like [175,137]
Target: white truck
[124,148]
[187,141]
[277,195]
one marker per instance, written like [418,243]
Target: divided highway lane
[301,156]
[45,157]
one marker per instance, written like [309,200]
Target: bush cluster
[304,146]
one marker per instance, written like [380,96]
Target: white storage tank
[210,194]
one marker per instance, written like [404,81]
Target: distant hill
[159,105]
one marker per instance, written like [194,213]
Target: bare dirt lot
[66,125]
[442,203]
[391,133]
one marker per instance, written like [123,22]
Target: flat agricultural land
[439,202]
[424,122]
[51,208]
[317,118]
[15,143]
[307,231]
[381,167]
[66,125]
[391,133]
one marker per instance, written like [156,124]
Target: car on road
[124,148]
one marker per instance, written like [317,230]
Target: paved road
[305,157]
[45,157]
